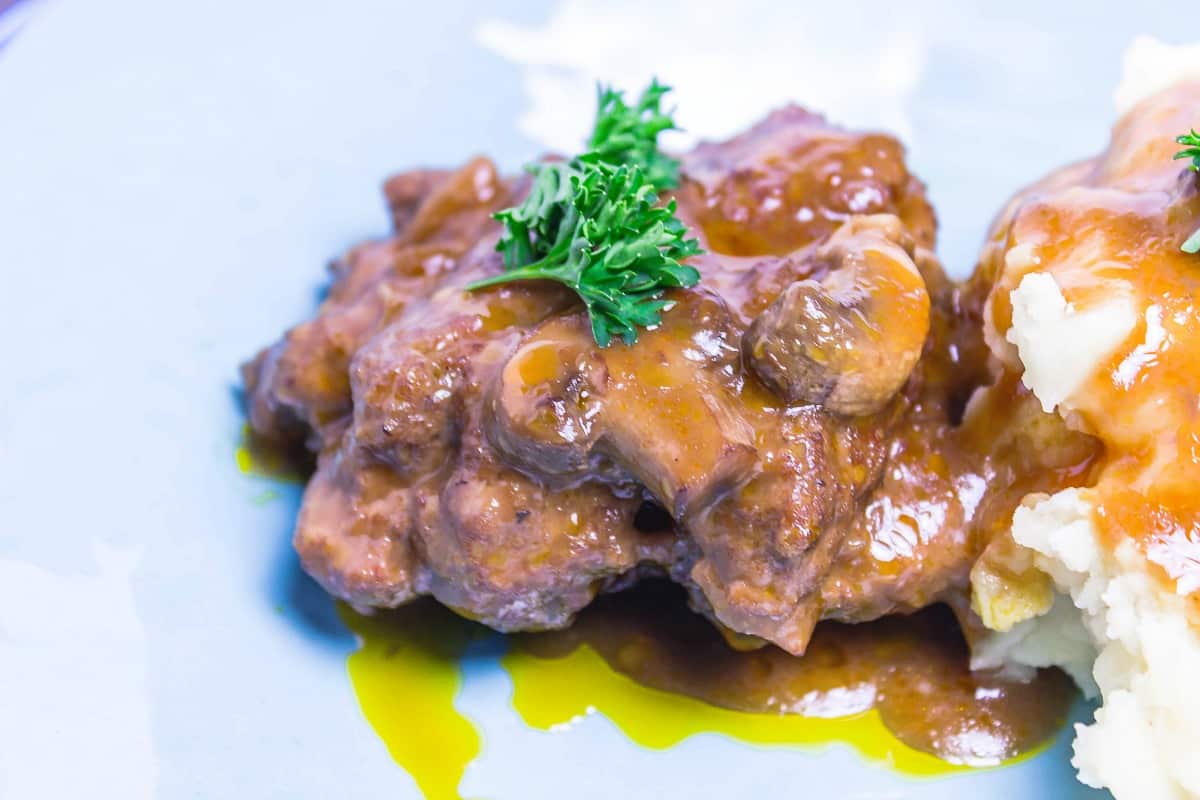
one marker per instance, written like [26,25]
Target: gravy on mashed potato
[1094,304]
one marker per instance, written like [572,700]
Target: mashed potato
[1146,655]
[1080,339]
[1099,307]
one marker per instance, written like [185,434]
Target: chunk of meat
[479,447]
[412,500]
[793,179]
[765,548]
[354,532]
[508,551]
[662,411]
[409,381]
[301,386]
[850,340]
[488,542]
[406,192]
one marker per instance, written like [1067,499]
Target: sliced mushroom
[658,410]
[849,340]
[544,407]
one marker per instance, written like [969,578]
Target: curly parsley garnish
[594,223]
[1191,149]
[624,135]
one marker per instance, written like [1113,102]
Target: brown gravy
[1112,228]
[913,670]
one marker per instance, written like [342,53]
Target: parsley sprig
[594,223]
[629,135]
[1191,149]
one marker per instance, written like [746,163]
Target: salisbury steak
[791,415]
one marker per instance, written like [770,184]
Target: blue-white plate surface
[173,177]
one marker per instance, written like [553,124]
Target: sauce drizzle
[406,674]
[897,690]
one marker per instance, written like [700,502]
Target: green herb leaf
[625,135]
[1191,149]
[1192,245]
[613,246]
[594,223]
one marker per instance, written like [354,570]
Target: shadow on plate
[289,590]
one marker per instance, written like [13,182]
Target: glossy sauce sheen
[468,463]
[912,671]
[897,690]
[1110,227]
[479,447]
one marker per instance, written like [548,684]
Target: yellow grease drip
[406,674]
[261,459]
[549,692]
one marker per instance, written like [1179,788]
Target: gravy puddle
[898,690]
